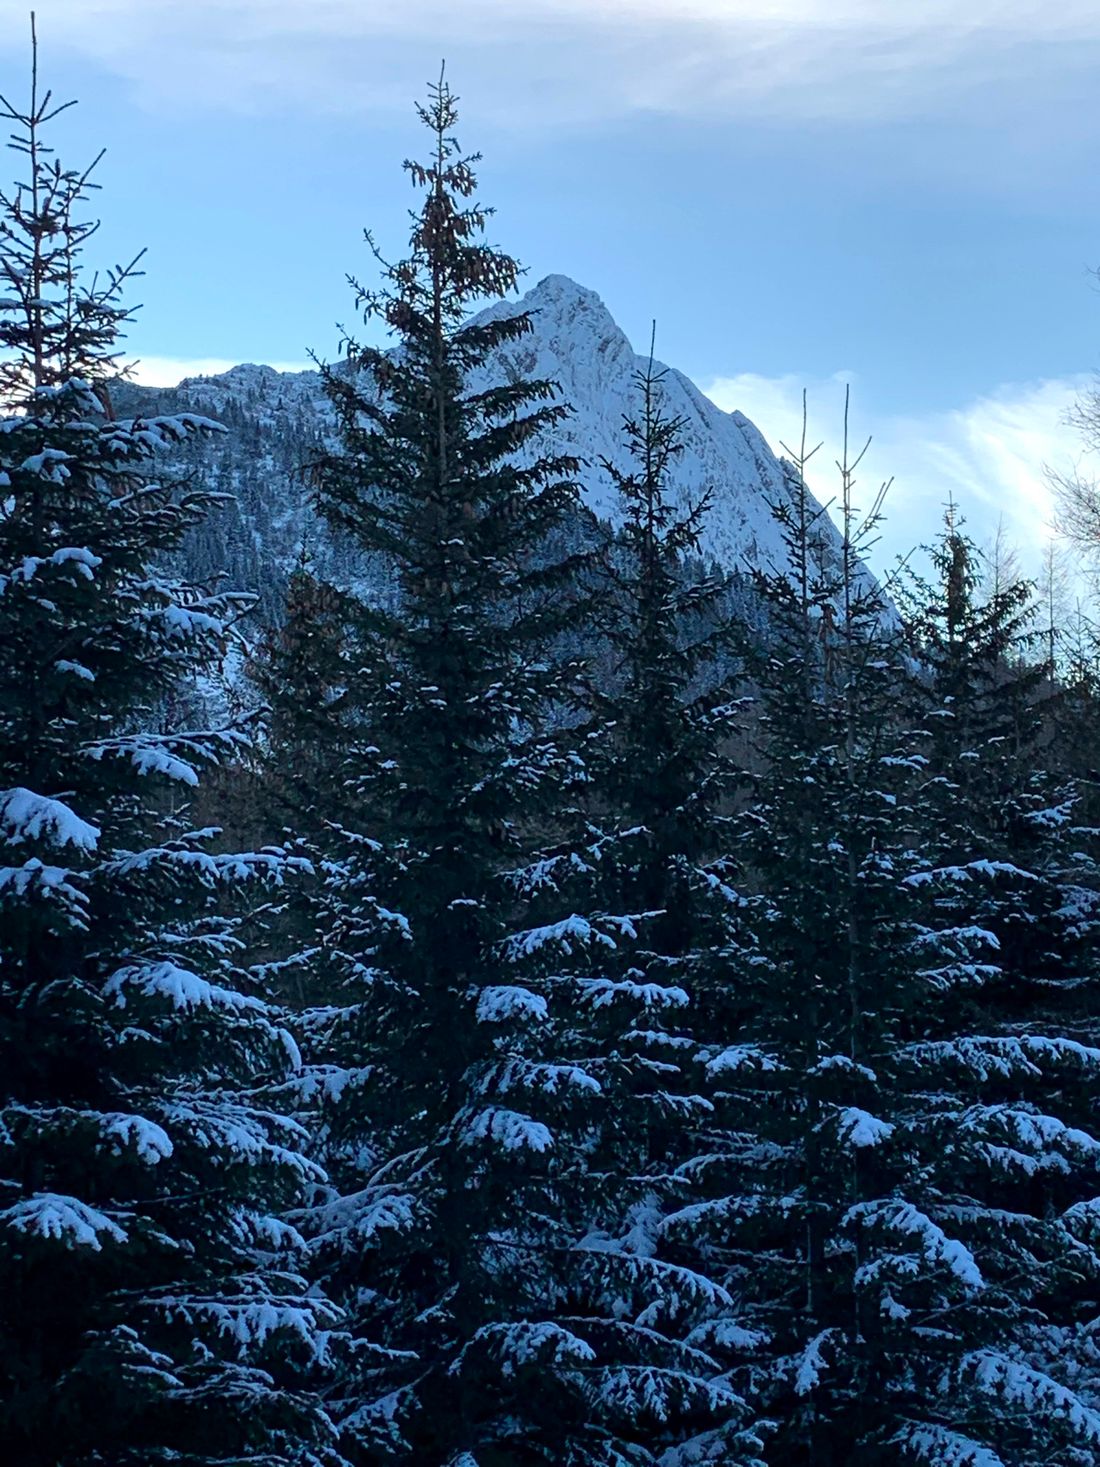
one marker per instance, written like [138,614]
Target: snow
[844,1064]
[565,935]
[1083,1219]
[78,557]
[859,1129]
[728,1334]
[908,1224]
[940,1447]
[1032,1391]
[25,816]
[149,754]
[526,1343]
[961,874]
[809,1365]
[269,1232]
[362,1219]
[49,464]
[49,1215]
[51,882]
[575,342]
[601,992]
[1035,1142]
[250,1322]
[671,1287]
[238,1134]
[660,1395]
[145,1138]
[741,1058]
[727,1211]
[184,623]
[183,989]
[499,1003]
[1004,1056]
[290,1047]
[325,1081]
[508,1129]
[548,1077]
[77,669]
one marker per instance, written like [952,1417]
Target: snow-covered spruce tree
[1008,832]
[904,1200]
[647,867]
[639,856]
[453,1079]
[791,1078]
[993,806]
[147,1311]
[663,769]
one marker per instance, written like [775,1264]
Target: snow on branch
[182,989]
[525,1343]
[508,1129]
[602,992]
[1033,1392]
[67,1220]
[566,935]
[928,1442]
[25,816]
[174,756]
[742,1059]
[900,1220]
[1002,1056]
[361,1220]
[501,1003]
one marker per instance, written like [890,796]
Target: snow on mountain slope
[576,342]
[277,421]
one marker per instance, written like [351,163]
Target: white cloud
[990,456]
[167,371]
[542,60]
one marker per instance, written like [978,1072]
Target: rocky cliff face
[576,343]
[277,421]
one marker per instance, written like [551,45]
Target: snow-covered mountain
[577,343]
[277,421]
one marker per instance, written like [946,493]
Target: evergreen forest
[573,1006]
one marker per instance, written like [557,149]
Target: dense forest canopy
[514,989]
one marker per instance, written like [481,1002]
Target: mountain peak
[562,290]
[566,314]
[562,298]
[574,342]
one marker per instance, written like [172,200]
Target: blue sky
[802,192]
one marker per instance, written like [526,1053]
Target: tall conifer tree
[457,1079]
[877,1207]
[658,779]
[146,1314]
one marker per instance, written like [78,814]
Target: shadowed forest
[517,990]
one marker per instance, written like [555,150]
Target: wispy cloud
[157,371]
[990,456]
[577,59]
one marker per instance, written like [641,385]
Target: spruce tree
[663,767]
[648,863]
[980,678]
[455,1080]
[902,1207]
[148,1308]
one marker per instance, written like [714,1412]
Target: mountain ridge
[279,420]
